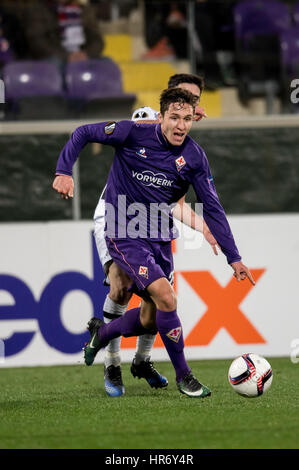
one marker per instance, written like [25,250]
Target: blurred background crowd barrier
[254,161]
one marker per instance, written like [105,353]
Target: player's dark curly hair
[178,78]
[176,95]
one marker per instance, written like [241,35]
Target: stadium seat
[260,17]
[147,80]
[289,45]
[95,90]
[34,89]
[118,47]
[145,76]
[258,25]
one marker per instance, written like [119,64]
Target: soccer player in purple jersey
[116,301]
[153,164]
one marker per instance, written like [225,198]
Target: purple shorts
[142,260]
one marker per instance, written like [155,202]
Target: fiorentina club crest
[180,162]
[175,334]
[143,271]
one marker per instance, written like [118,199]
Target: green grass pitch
[65,407]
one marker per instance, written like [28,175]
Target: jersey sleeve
[111,133]
[213,212]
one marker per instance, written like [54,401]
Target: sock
[170,329]
[144,347]
[126,325]
[111,311]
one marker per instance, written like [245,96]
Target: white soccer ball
[250,375]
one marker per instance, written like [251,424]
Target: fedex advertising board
[51,284]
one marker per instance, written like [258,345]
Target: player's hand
[64,185]
[199,114]
[241,272]
[211,240]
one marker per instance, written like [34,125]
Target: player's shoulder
[142,132]
[195,153]
[136,127]
[144,127]
[115,128]
[124,124]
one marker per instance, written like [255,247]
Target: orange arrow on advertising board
[223,309]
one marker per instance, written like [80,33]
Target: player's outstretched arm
[241,272]
[64,185]
[210,238]
[183,212]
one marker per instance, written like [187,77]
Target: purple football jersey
[147,177]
